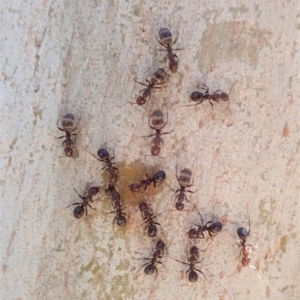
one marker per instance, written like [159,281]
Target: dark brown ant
[158,78]
[183,180]
[198,233]
[148,217]
[193,260]
[157,120]
[114,195]
[166,41]
[199,96]
[141,187]
[119,219]
[67,127]
[86,198]
[104,157]
[158,253]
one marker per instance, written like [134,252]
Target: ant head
[179,206]
[149,270]
[160,245]
[103,154]
[93,190]
[194,251]
[78,212]
[193,276]
[173,65]
[152,230]
[121,221]
[197,96]
[140,100]
[215,227]
[68,152]
[242,233]
[192,234]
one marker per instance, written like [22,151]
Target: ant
[67,127]
[199,96]
[158,78]
[246,251]
[86,198]
[158,253]
[148,217]
[114,195]
[194,233]
[157,120]
[104,157]
[165,39]
[119,219]
[193,260]
[141,187]
[183,180]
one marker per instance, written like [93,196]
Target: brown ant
[157,120]
[67,127]
[158,78]
[246,251]
[141,187]
[158,253]
[165,39]
[198,233]
[104,157]
[86,198]
[148,217]
[193,260]
[199,96]
[183,180]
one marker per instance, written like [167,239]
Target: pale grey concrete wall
[80,57]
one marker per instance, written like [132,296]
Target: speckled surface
[80,57]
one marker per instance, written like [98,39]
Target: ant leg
[79,195]
[73,204]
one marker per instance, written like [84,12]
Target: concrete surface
[80,57]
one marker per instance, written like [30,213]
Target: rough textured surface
[80,57]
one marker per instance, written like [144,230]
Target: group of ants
[158,78]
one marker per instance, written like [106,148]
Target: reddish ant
[246,249]
[67,127]
[198,233]
[158,253]
[199,96]
[148,217]
[166,41]
[157,120]
[193,260]
[183,180]
[141,187]
[86,198]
